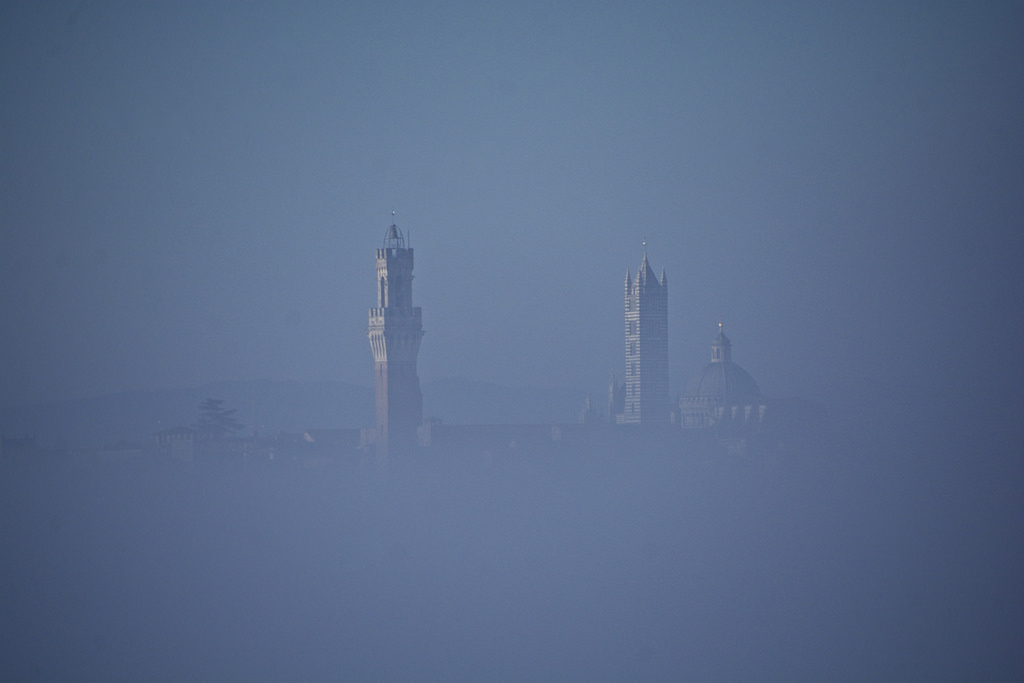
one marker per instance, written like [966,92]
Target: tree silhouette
[215,421]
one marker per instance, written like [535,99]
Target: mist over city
[477,341]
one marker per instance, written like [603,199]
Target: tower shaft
[395,331]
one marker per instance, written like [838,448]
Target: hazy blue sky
[193,192]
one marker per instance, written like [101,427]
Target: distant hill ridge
[272,406]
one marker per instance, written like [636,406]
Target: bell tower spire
[646,399]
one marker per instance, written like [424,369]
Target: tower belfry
[395,331]
[646,392]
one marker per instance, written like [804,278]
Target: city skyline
[191,190]
[191,198]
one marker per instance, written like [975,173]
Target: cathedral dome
[721,378]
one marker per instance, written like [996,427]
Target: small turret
[616,398]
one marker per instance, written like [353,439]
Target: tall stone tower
[646,400]
[396,328]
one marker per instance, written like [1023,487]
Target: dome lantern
[721,348]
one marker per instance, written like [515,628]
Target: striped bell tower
[646,396]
